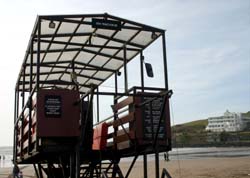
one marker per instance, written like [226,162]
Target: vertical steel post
[97,105]
[165,60]
[142,72]
[125,69]
[116,88]
[17,109]
[155,143]
[30,97]
[18,103]
[115,102]
[145,166]
[116,84]
[14,136]
[15,106]
[23,87]
[77,159]
[38,54]
[166,87]
[23,103]
[38,65]
[157,167]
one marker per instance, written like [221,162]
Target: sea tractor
[60,100]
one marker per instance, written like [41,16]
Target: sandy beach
[238,167]
[200,168]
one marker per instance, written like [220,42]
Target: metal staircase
[106,169]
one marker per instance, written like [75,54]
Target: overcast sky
[207,44]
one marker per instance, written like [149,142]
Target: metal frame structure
[80,52]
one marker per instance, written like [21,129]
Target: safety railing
[26,129]
[131,124]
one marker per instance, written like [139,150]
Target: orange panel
[100,137]
[101,130]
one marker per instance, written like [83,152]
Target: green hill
[197,126]
[194,134]
[189,134]
[247,114]
[191,127]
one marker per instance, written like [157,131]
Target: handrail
[140,88]
[110,117]
[147,88]
[165,173]
[169,93]
[156,96]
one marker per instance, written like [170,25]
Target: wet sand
[237,167]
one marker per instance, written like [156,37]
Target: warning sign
[53,106]
[152,113]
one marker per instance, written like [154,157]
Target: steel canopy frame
[74,36]
[62,45]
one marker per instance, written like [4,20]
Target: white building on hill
[229,122]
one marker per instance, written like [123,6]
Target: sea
[176,154]
[6,154]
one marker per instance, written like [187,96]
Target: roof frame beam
[62,35]
[58,17]
[90,67]
[48,63]
[120,41]
[94,67]
[144,27]
[67,67]
[83,49]
[86,45]
[139,26]
[77,49]
[45,73]
[86,76]
[54,82]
